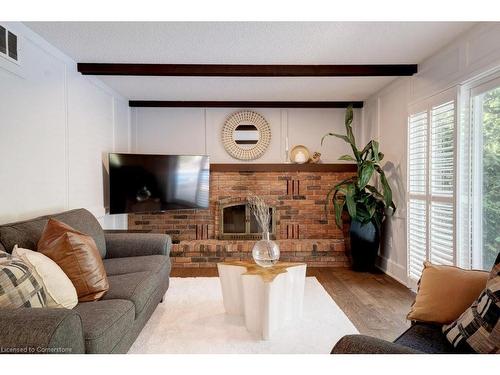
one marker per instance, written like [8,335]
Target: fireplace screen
[238,223]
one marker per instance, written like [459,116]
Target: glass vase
[266,252]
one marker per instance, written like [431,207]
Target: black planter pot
[365,241]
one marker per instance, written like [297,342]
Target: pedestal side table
[269,298]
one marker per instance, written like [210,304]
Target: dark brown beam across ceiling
[233,70]
[241,104]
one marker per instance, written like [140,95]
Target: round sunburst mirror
[246,135]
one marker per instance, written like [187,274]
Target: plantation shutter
[442,145]
[442,184]
[417,185]
[417,237]
[418,152]
[431,187]
[441,238]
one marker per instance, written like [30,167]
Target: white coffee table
[269,298]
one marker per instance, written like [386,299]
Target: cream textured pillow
[445,292]
[59,288]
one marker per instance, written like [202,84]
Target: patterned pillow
[19,287]
[479,326]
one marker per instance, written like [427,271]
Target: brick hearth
[304,232]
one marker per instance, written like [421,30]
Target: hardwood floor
[375,303]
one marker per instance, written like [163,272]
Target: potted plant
[366,205]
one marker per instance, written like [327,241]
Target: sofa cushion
[361,344]
[105,323]
[20,286]
[445,292]
[120,266]
[137,287]
[60,291]
[478,327]
[427,338]
[76,253]
[27,233]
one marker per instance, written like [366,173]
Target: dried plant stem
[261,212]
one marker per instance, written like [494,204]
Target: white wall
[474,53]
[198,131]
[56,127]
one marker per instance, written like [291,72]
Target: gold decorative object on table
[266,273]
[299,154]
[316,158]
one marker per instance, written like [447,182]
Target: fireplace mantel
[283,167]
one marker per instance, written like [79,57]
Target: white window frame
[472,181]
[427,105]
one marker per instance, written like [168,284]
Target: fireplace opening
[238,223]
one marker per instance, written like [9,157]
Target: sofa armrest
[122,245]
[41,330]
[361,344]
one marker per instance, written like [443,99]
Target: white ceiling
[249,43]
[251,88]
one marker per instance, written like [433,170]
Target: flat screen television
[155,183]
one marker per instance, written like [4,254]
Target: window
[431,184]
[485,173]
[453,195]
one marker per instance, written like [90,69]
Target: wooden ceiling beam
[235,70]
[245,104]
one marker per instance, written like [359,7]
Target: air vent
[3,40]
[9,46]
[12,45]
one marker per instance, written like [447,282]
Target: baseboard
[394,270]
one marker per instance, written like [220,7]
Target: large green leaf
[393,206]
[347,157]
[375,193]
[365,150]
[349,199]
[339,207]
[349,137]
[349,115]
[365,174]
[375,152]
[371,208]
[385,186]
[338,187]
[343,137]
[362,215]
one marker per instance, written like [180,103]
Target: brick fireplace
[296,194]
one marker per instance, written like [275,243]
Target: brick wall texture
[304,232]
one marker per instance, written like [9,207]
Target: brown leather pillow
[445,292]
[76,253]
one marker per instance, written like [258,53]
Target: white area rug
[192,320]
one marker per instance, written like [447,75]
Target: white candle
[286,144]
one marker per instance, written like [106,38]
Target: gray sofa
[138,268]
[420,338]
